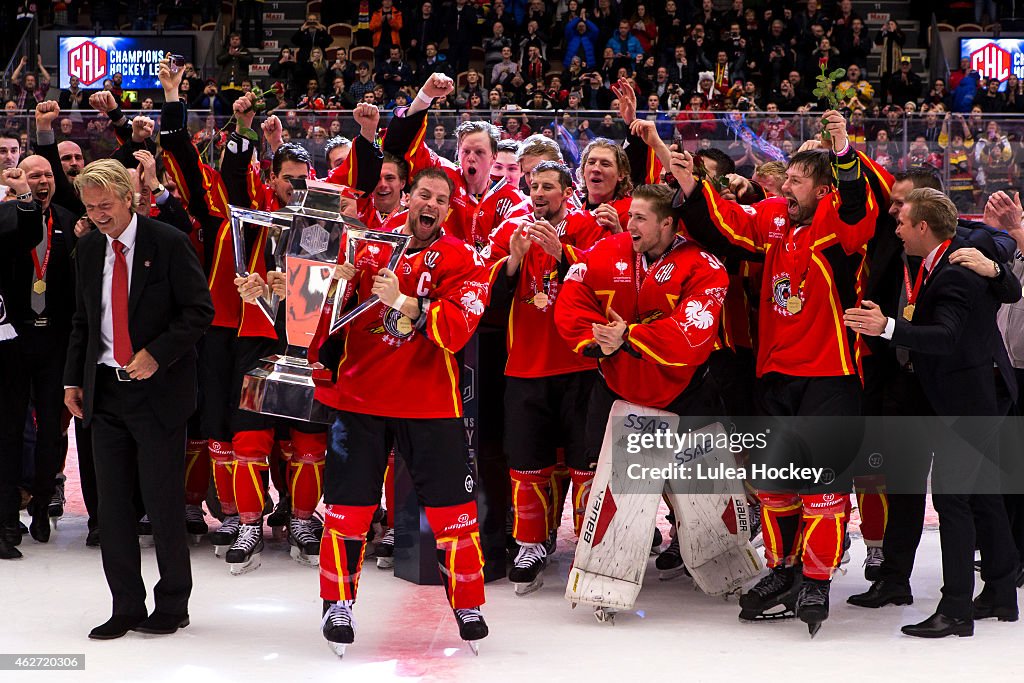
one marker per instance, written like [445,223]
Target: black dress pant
[33,369]
[128,440]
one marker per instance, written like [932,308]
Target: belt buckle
[41,322]
[122,375]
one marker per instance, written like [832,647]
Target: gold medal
[794,305]
[39,286]
[403,325]
[541,300]
[908,312]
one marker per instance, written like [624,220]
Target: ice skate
[873,564]
[472,627]
[528,571]
[195,523]
[670,562]
[245,554]
[338,626]
[305,546]
[812,603]
[386,550]
[56,507]
[551,544]
[278,519]
[605,615]
[774,596]
[144,529]
[225,536]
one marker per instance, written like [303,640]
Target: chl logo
[664,273]
[314,239]
[88,62]
[992,61]
[431,258]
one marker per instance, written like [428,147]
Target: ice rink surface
[264,626]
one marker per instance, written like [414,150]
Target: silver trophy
[303,240]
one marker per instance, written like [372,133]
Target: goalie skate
[605,615]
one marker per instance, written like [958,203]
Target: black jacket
[169,309]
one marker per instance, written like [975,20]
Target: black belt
[120,373]
[38,322]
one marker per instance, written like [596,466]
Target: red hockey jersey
[535,349]
[395,368]
[673,308]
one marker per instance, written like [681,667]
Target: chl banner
[94,59]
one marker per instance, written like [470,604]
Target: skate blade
[474,645]
[604,615]
[304,559]
[385,563]
[527,588]
[674,573]
[779,615]
[146,541]
[814,628]
[337,648]
[53,522]
[220,550]
[250,565]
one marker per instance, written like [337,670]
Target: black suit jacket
[169,309]
[952,340]
[17,270]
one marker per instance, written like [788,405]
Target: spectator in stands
[250,13]
[393,74]
[493,45]
[774,128]
[74,97]
[285,69]
[67,130]
[595,95]
[28,89]
[991,100]
[624,44]
[504,70]
[672,19]
[778,58]
[147,104]
[810,16]
[956,76]
[884,153]
[234,63]
[581,41]
[292,124]
[994,155]
[177,14]
[556,93]
[844,18]
[644,27]
[533,38]
[212,101]
[854,81]
[462,33]
[891,39]
[904,85]
[441,144]
[474,86]
[190,75]
[311,34]
[422,29]
[316,68]
[679,68]
[363,84]
[343,67]
[534,66]
[339,97]
[940,95]
[386,27]
[312,98]
[499,13]
[855,44]
[695,122]
[432,62]
[929,127]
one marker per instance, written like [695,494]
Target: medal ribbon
[41,268]
[921,277]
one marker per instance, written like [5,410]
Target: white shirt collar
[929,260]
[127,237]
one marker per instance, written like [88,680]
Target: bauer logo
[88,62]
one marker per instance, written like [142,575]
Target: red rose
[823,62]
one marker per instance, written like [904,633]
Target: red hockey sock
[252,449]
[306,467]
[222,457]
[873,504]
[389,490]
[780,523]
[531,504]
[197,471]
[560,479]
[342,548]
[824,516]
[581,483]
[459,554]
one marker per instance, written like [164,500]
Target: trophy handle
[399,241]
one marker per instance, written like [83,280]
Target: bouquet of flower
[836,96]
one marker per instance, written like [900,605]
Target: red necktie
[119,307]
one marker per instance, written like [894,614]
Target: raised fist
[142,128]
[15,179]
[438,85]
[46,113]
[368,118]
[103,101]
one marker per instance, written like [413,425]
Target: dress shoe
[8,551]
[983,609]
[883,593]
[40,526]
[162,623]
[116,626]
[11,533]
[940,626]
[92,540]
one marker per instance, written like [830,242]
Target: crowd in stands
[737,76]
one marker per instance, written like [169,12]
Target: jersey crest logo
[373,249]
[622,267]
[698,315]
[314,239]
[781,291]
[502,207]
[664,273]
[471,302]
[779,221]
[431,258]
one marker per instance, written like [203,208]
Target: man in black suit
[39,287]
[142,304]
[949,328]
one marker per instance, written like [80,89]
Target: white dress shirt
[929,263]
[127,238]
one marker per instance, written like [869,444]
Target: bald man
[38,285]
[65,158]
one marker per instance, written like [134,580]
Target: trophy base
[283,386]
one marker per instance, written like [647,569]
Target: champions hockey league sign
[994,58]
[136,58]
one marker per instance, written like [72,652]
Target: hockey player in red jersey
[478,205]
[547,386]
[812,241]
[398,384]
